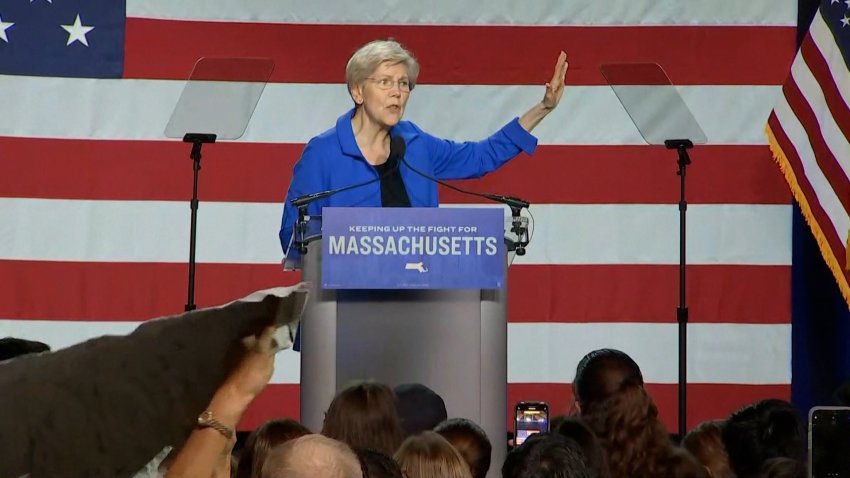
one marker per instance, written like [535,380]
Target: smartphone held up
[829,442]
[530,418]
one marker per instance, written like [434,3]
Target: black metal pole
[682,146]
[193,228]
[682,311]
[197,141]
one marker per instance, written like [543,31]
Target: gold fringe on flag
[827,252]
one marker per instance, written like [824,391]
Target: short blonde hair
[312,455]
[429,455]
[369,56]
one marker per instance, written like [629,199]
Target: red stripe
[251,70]
[260,172]
[318,53]
[705,401]
[821,71]
[546,293]
[635,74]
[743,174]
[276,401]
[832,237]
[823,155]
[649,293]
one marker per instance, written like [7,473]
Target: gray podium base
[453,341]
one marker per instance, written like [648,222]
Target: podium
[454,340]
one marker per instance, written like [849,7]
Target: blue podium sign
[413,248]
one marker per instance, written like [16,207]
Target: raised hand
[555,86]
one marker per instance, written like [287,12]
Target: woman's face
[384,94]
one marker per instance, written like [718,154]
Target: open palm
[555,87]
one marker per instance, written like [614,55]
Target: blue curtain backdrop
[819,315]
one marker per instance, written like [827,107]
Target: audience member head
[679,463]
[782,468]
[471,441]
[378,465]
[761,431]
[419,407]
[575,429]
[310,456]
[601,374]
[11,347]
[556,421]
[264,438]
[614,403]
[705,443]
[364,415]
[429,455]
[546,455]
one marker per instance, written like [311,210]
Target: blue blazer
[333,159]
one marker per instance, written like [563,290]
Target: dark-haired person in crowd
[381,76]
[705,443]
[767,429]
[419,407]
[783,468]
[546,455]
[261,440]
[429,455]
[365,415]
[471,441]
[612,400]
[375,464]
[577,430]
[556,421]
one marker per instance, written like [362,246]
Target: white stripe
[538,12]
[826,196]
[825,42]
[649,234]
[140,109]
[549,352]
[832,134]
[717,353]
[157,231]
[61,334]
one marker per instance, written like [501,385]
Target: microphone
[397,150]
[516,204]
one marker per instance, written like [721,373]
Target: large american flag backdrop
[94,212]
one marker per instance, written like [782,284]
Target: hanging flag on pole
[809,130]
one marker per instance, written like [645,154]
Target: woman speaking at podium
[381,76]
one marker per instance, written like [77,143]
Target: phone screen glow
[529,422]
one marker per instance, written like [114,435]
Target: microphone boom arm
[519,224]
[397,147]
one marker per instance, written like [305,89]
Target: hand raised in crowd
[252,370]
[207,451]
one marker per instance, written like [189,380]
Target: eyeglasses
[387,83]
